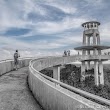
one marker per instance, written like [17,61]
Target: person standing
[16,56]
[68,52]
[65,53]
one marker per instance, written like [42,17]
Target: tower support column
[99,52]
[101,73]
[94,38]
[88,62]
[95,52]
[84,39]
[88,65]
[98,40]
[88,40]
[96,73]
[56,72]
[83,71]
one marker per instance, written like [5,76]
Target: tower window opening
[91,25]
[88,26]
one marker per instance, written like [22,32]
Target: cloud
[13,44]
[95,2]
[57,27]
[33,49]
[14,14]
[105,32]
[66,7]
[59,22]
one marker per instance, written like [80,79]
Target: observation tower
[91,51]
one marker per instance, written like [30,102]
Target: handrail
[84,93]
[4,60]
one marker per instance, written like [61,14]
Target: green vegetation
[71,75]
[47,72]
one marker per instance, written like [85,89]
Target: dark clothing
[65,53]
[16,58]
[16,61]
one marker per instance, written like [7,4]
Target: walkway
[14,92]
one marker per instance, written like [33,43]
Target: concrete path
[14,92]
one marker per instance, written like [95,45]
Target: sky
[48,27]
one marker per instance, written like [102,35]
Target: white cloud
[105,32]
[35,48]
[13,44]
[15,14]
[70,40]
[66,8]
[32,6]
[57,27]
[95,2]
[9,16]
[49,27]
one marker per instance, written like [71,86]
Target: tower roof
[91,22]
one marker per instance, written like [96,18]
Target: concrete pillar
[101,73]
[96,73]
[88,40]
[83,71]
[88,52]
[93,25]
[98,40]
[83,52]
[99,52]
[56,72]
[86,26]
[89,25]
[88,65]
[96,26]
[95,52]
[84,39]
[94,38]
[88,62]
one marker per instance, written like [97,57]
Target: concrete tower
[91,50]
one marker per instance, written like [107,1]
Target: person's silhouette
[16,56]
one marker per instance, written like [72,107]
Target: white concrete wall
[8,65]
[54,97]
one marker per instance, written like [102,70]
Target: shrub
[97,89]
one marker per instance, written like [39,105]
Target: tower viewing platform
[91,46]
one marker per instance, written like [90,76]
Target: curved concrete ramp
[55,95]
[14,92]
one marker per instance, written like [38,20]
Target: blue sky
[48,27]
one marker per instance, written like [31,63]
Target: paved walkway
[14,92]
